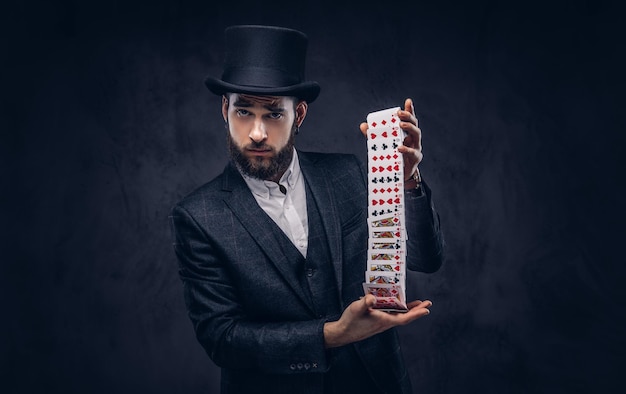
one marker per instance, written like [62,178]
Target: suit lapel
[260,227]
[321,190]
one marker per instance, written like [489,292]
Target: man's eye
[276,115]
[242,112]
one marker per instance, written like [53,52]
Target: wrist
[413,181]
[332,335]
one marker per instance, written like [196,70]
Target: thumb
[363,127]
[368,301]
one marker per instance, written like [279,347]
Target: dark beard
[260,167]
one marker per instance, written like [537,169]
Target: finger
[363,127]
[420,304]
[414,303]
[414,136]
[392,319]
[407,119]
[415,155]
[413,314]
[400,319]
[417,309]
[416,152]
[409,124]
[408,114]
[408,106]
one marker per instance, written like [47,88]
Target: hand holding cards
[385,275]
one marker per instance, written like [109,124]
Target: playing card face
[384,192]
[385,267]
[385,157]
[386,245]
[386,221]
[388,233]
[377,146]
[392,168]
[386,256]
[386,195]
[375,212]
[385,202]
[383,188]
[383,161]
[390,304]
[385,180]
[388,296]
[383,290]
[383,119]
[377,255]
[384,143]
[388,277]
[386,263]
[385,135]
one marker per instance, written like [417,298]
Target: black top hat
[264,60]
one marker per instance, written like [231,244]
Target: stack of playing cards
[386,254]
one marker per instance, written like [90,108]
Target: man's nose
[258,134]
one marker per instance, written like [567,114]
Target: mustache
[258,145]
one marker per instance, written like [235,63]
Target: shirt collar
[289,179]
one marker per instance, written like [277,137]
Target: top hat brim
[307,91]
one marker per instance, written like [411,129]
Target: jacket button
[300,365]
[292,367]
[309,272]
[307,366]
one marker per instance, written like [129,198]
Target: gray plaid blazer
[247,305]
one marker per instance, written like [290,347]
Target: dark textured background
[106,123]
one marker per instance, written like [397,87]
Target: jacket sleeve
[229,335]
[425,245]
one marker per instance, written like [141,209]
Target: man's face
[261,132]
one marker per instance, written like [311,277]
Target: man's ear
[225,108]
[301,109]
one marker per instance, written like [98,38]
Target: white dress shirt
[288,210]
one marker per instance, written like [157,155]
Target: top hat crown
[264,60]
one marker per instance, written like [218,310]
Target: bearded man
[272,251]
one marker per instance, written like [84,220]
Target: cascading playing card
[385,275]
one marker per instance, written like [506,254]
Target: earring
[297,129]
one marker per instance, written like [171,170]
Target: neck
[279,174]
